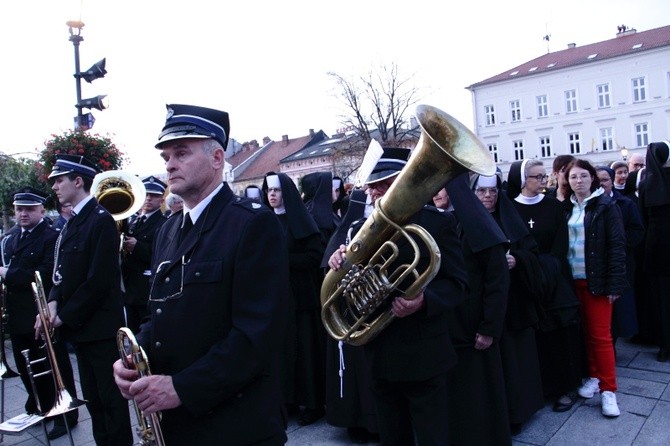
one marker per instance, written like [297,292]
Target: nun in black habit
[303,375]
[655,205]
[559,336]
[349,402]
[317,194]
[517,344]
[478,412]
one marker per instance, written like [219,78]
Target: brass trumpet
[64,402]
[352,297]
[149,427]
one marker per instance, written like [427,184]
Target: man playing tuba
[410,358]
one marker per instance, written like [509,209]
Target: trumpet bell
[120,192]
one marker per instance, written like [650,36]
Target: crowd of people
[540,274]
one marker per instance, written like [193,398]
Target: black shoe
[309,416]
[515,428]
[56,432]
[358,435]
[565,403]
[663,355]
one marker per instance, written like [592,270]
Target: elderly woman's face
[488,196]
[605,181]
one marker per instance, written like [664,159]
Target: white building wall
[622,115]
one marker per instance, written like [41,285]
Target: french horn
[352,297]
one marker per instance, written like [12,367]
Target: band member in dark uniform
[216,327]
[22,255]
[137,245]
[410,358]
[85,301]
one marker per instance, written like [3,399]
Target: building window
[571,101]
[515,110]
[606,138]
[493,150]
[518,149]
[639,90]
[642,134]
[604,100]
[545,146]
[574,143]
[542,106]
[490,113]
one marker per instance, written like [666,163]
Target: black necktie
[24,235]
[188,224]
[138,223]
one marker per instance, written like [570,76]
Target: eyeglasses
[638,165]
[381,186]
[176,295]
[539,177]
[481,191]
[274,189]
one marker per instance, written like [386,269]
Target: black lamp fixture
[85,121]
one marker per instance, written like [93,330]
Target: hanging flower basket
[100,150]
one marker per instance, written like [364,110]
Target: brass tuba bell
[120,192]
[351,297]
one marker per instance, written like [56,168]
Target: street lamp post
[85,121]
[75,27]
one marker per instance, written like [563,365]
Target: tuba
[121,193]
[64,401]
[148,426]
[352,296]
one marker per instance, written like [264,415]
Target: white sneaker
[589,388]
[609,405]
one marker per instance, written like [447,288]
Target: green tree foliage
[15,174]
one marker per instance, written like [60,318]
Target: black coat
[35,253]
[605,246]
[136,265]
[219,337]
[89,296]
[418,347]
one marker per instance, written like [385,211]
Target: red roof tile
[268,159]
[628,42]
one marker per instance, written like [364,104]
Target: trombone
[64,402]
[148,426]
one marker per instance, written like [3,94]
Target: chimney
[284,139]
[266,140]
[571,45]
[253,144]
[623,30]
[311,133]
[245,146]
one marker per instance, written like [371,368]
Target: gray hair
[172,199]
[210,145]
[530,164]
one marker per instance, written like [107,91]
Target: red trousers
[597,323]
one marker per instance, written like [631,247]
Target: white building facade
[602,102]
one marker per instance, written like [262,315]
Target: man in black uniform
[216,326]
[409,359]
[23,254]
[85,300]
[137,245]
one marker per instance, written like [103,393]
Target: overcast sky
[266,61]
